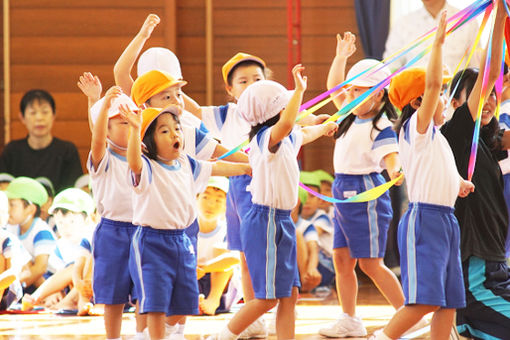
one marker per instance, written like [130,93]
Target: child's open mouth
[177,145]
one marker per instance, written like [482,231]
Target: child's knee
[370,266]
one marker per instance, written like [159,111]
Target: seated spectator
[26,196]
[12,258]
[71,210]
[40,153]
[215,263]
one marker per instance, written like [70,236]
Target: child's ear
[455,103]
[415,103]
[228,88]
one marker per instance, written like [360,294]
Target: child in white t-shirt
[267,231]
[165,182]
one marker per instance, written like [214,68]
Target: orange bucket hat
[239,57]
[152,83]
[410,84]
[151,114]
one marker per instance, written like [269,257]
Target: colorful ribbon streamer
[483,96]
[369,195]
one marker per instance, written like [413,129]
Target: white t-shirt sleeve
[204,145]
[384,143]
[201,172]
[145,176]
[214,118]
[413,137]
[101,168]
[44,243]
[295,138]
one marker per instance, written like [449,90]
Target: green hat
[303,195]
[73,199]
[219,182]
[308,178]
[28,189]
[324,176]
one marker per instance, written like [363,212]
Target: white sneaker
[346,326]
[257,330]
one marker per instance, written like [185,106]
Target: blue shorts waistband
[430,206]
[108,222]
[266,209]
[340,175]
[151,230]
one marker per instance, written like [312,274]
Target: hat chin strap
[26,220]
[163,159]
[115,145]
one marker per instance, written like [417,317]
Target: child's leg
[442,322]
[219,281]
[251,311]
[286,316]
[113,320]
[141,319]
[3,267]
[346,280]
[156,324]
[384,279]
[248,293]
[406,317]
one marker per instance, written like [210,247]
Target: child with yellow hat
[165,182]
[433,183]
[26,196]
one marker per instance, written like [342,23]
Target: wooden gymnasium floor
[314,312]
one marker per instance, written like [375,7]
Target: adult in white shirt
[409,27]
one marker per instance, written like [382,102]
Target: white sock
[114,339]
[180,328]
[169,329]
[226,334]
[382,336]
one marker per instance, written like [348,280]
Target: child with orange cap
[365,146]
[267,231]
[165,182]
[428,234]
[107,166]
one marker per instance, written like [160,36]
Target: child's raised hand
[133,118]
[148,26]
[346,46]
[112,93]
[466,187]
[299,80]
[441,29]
[90,86]
[330,129]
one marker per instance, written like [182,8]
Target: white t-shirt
[111,190]
[306,228]
[323,221]
[206,242]
[38,240]
[67,252]
[275,176]
[165,197]
[429,165]
[406,29]
[187,118]
[504,123]
[197,144]
[361,150]
[225,124]
[12,249]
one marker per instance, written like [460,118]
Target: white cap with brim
[262,101]
[82,181]
[219,182]
[73,199]
[159,58]
[370,78]
[5,177]
[114,108]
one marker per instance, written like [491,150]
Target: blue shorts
[506,192]
[429,244]
[269,243]
[192,232]
[164,270]
[362,227]
[238,205]
[111,244]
